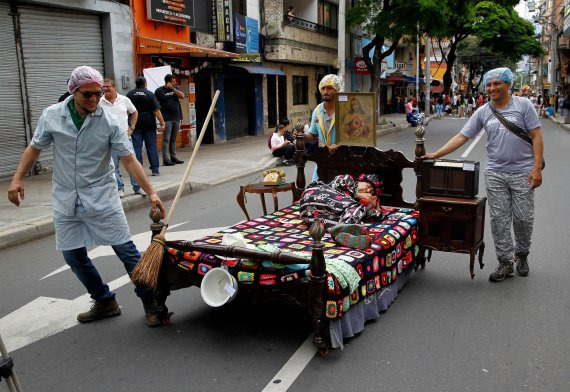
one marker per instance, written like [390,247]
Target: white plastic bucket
[218,287]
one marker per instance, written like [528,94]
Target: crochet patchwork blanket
[394,249]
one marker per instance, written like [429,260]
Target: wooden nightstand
[451,224]
[262,190]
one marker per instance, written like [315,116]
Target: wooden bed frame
[309,293]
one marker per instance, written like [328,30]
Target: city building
[43,41]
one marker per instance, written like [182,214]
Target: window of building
[328,14]
[241,7]
[300,90]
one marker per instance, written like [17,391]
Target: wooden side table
[262,190]
[451,224]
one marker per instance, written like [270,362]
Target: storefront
[42,44]
[200,70]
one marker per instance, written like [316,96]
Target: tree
[498,26]
[389,22]
[478,58]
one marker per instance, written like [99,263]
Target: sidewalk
[559,119]
[213,165]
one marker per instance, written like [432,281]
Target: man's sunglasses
[89,94]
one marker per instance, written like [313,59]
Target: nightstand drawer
[446,209]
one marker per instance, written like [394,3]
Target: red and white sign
[360,66]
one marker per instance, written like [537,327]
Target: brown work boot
[152,314]
[100,310]
[504,270]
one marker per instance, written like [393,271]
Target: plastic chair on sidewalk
[7,369]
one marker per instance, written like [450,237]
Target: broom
[147,270]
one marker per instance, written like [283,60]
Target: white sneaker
[141,192]
[121,193]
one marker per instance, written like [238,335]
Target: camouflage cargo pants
[511,204]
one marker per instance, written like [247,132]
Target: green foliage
[504,32]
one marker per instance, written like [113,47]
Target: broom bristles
[147,270]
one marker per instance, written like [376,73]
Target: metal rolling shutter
[54,42]
[12,126]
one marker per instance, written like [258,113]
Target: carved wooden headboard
[353,160]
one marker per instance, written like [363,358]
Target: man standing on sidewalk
[514,169]
[169,97]
[145,129]
[86,207]
[121,107]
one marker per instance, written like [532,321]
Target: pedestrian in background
[86,207]
[566,107]
[560,104]
[145,129]
[122,108]
[169,97]
[281,147]
[514,169]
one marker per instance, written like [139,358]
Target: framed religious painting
[355,119]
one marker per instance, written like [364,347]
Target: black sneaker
[288,162]
[504,270]
[521,262]
[168,162]
[176,160]
[100,310]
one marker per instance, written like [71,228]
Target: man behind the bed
[514,170]
[322,126]
[86,206]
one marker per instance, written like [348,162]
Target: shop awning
[412,79]
[154,46]
[258,69]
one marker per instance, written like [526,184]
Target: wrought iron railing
[311,26]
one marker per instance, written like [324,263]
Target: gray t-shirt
[506,152]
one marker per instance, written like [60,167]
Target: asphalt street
[445,332]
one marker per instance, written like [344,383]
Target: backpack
[269,140]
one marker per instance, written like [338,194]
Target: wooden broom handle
[187,172]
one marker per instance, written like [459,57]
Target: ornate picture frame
[355,119]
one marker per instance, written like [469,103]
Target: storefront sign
[252,45]
[360,67]
[248,58]
[178,12]
[222,20]
[240,33]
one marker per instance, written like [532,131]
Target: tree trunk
[451,56]
[375,67]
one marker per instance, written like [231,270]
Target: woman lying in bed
[343,200]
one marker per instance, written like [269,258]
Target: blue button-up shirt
[82,172]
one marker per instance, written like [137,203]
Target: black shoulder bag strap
[514,128]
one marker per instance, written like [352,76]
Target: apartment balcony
[296,40]
[404,67]
[564,43]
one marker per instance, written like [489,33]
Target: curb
[560,124]
[26,231]
[43,226]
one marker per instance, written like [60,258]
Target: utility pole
[341,40]
[553,49]
[418,65]
[427,109]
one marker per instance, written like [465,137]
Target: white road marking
[46,316]
[292,368]
[472,145]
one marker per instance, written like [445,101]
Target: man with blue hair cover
[513,171]
[504,74]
